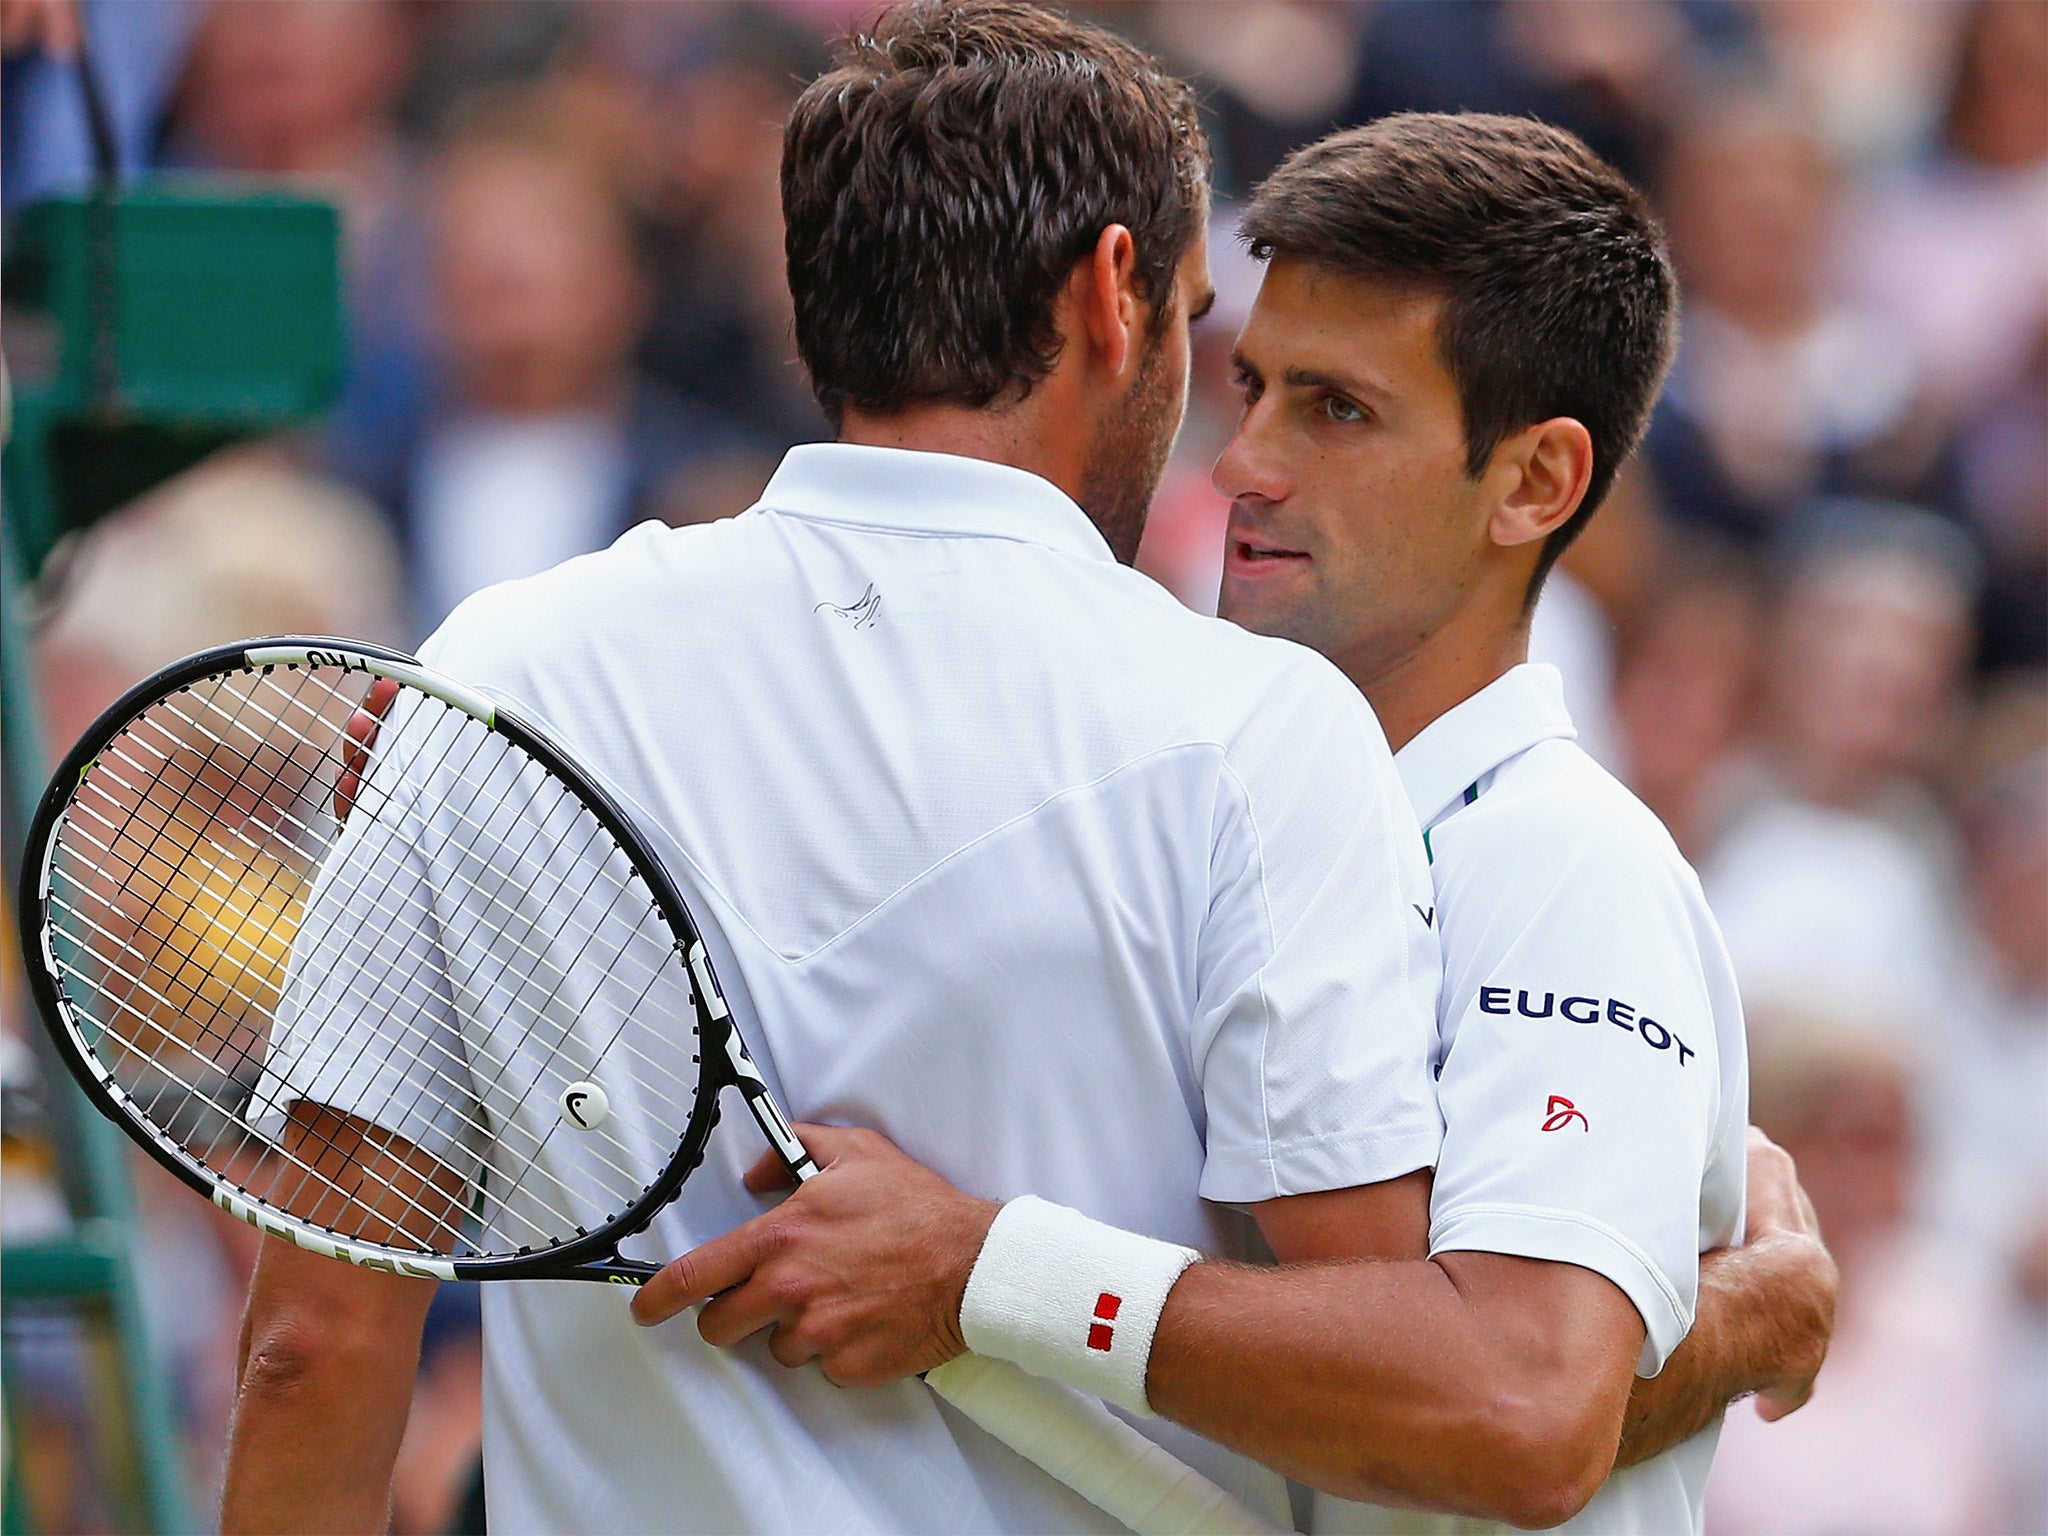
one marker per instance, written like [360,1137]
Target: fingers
[1776,1202]
[765,1301]
[1771,1407]
[827,1144]
[719,1265]
[830,1144]
[770,1173]
[860,1270]
[362,728]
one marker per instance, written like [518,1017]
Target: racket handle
[1080,1442]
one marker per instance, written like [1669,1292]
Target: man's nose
[1249,465]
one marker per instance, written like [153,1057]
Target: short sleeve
[349,1034]
[1581,1081]
[1318,970]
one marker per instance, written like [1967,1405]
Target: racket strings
[252,764]
[523,816]
[579,903]
[173,870]
[562,929]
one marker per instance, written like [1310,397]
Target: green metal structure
[146,327]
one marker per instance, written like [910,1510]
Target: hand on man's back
[861,1269]
[1780,1214]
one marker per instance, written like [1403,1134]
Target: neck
[1012,435]
[1440,673]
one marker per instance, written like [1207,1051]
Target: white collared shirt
[1594,1083]
[1067,889]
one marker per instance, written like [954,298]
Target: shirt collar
[1504,719]
[930,493]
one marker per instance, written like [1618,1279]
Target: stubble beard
[1128,457]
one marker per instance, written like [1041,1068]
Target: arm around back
[1766,1313]
[1475,1383]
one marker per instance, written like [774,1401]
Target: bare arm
[326,1360]
[1765,1314]
[1487,1385]
[1477,1383]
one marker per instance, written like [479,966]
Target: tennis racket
[393,978]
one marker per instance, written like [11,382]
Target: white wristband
[1069,1297]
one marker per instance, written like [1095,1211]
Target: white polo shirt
[1067,889]
[1594,1082]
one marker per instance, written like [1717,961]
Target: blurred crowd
[1811,628]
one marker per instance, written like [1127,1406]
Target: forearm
[1391,1382]
[321,1399]
[1761,1309]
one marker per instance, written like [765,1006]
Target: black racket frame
[723,1059]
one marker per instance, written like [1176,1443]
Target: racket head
[187,860]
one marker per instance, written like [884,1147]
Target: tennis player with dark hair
[1463,325]
[1068,888]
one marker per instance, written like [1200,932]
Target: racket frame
[724,1061]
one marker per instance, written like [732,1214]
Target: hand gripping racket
[430,1004]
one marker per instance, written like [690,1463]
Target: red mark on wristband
[1101,1335]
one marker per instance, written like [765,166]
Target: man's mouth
[1254,556]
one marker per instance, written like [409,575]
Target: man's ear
[1545,470]
[1111,310]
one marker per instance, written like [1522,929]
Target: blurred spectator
[717,83]
[542,442]
[1991,1147]
[1280,73]
[1952,245]
[137,48]
[1783,388]
[1832,882]
[1605,70]
[1684,693]
[1872,71]
[1902,1434]
[306,93]
[245,544]
[2002,459]
[1872,653]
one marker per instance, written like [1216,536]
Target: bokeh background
[1810,629]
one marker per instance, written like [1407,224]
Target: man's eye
[1337,408]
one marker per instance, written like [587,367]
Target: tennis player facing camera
[1463,324]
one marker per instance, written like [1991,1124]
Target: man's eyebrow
[1316,378]
[1241,366]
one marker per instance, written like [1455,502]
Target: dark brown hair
[1559,297]
[941,182]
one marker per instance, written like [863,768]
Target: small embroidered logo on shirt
[1101,1335]
[862,611]
[1562,1112]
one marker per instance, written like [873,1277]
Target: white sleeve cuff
[1071,1298]
[1570,1237]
